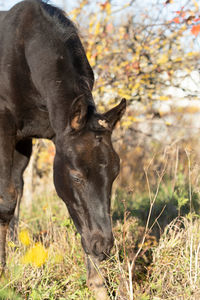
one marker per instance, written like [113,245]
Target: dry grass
[48,261]
[176,265]
[61,274]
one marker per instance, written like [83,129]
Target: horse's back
[40,47]
[2,15]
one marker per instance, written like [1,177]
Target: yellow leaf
[24,237]
[108,8]
[196,5]
[136,86]
[97,28]
[156,40]
[191,54]
[178,59]
[163,98]
[36,255]
[11,244]
[163,59]
[127,124]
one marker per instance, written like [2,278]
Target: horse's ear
[115,114]
[78,113]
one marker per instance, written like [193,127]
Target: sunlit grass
[48,261]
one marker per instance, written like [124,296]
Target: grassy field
[47,263]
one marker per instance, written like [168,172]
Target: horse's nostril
[102,246]
[96,248]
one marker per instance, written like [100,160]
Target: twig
[176,168]
[156,220]
[152,201]
[189,179]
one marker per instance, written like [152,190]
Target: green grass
[164,269]
[171,202]
[63,276]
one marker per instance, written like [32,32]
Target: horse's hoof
[96,285]
[101,294]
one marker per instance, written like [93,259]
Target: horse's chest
[35,123]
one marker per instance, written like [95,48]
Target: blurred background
[147,52]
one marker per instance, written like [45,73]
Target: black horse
[45,92]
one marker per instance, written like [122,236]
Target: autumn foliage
[190,16]
[134,55]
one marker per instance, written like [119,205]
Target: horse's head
[85,167]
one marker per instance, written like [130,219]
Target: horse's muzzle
[98,245]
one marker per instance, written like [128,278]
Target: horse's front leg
[3,231]
[8,200]
[15,220]
[95,279]
[8,193]
[22,155]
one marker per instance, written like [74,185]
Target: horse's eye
[76,179]
[76,176]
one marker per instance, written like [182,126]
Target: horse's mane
[68,31]
[58,16]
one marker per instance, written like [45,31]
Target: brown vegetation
[156,198]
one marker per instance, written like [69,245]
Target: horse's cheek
[59,177]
